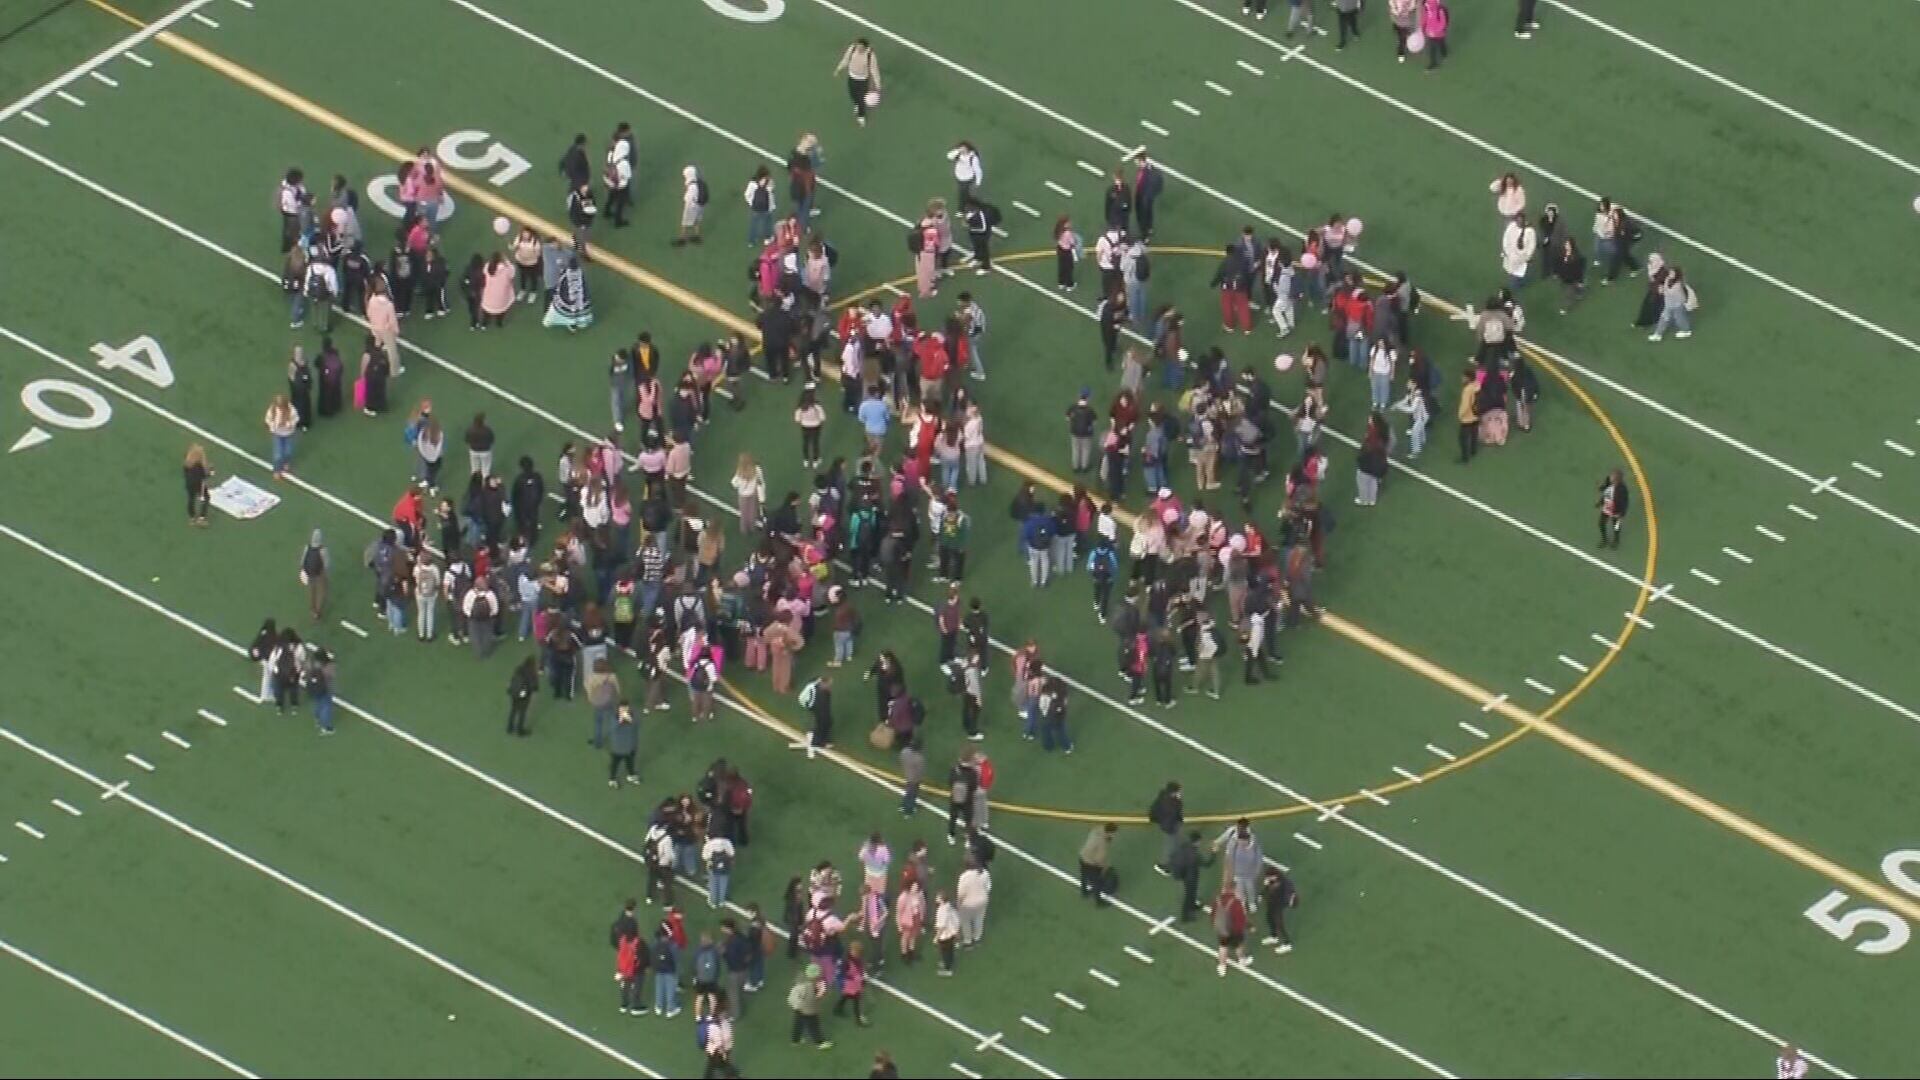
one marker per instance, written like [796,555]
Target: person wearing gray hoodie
[315,565]
[1243,858]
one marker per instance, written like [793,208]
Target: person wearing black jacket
[580,214]
[1168,813]
[529,495]
[1183,865]
[574,165]
[626,924]
[1119,203]
[520,690]
[1113,315]
[822,712]
[980,219]
[433,283]
[1234,279]
[1147,185]
[355,271]
[1277,894]
[1613,508]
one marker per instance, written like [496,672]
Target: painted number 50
[1880,931]
[765,12]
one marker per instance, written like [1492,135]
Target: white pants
[973,923]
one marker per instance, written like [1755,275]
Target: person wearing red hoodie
[931,361]
[1230,927]
[629,965]
[1353,320]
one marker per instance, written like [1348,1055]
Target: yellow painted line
[1528,721]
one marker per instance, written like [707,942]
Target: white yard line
[1903,451]
[1411,777]
[139,763]
[205,21]
[1155,128]
[36,117]
[1510,158]
[1102,976]
[1703,575]
[1867,470]
[1036,1025]
[70,98]
[104,80]
[1770,534]
[133,40]
[1307,841]
[1604,641]
[963,1070]
[29,830]
[176,740]
[1070,1003]
[144,1020]
[335,906]
[1474,731]
[136,58]
[1572,663]
[1493,703]
[1737,556]
[1249,68]
[1025,209]
[1057,189]
[67,808]
[352,629]
[210,718]
[1380,799]
[1185,108]
[1747,92]
[1090,167]
[1218,89]
[1441,753]
[1136,954]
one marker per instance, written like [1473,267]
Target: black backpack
[915,240]
[314,562]
[700,192]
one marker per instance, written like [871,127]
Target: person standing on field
[1434,21]
[1613,508]
[1278,893]
[1168,813]
[1524,24]
[946,931]
[1230,928]
[863,76]
[1242,856]
[971,892]
[1096,859]
[315,565]
[804,999]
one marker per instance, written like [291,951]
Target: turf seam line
[66,807]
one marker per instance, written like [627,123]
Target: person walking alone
[1168,813]
[315,564]
[809,989]
[863,77]
[1434,21]
[1613,508]
[1096,858]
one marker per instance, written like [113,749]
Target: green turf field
[1552,809]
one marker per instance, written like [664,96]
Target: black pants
[1189,895]
[953,567]
[1102,595]
[959,816]
[286,691]
[857,90]
[1277,922]
[1109,343]
[473,309]
[1524,20]
[1349,23]
[1162,684]
[969,713]
[1255,7]
[1436,51]
[1143,213]
[1609,531]
[1622,256]
[1469,440]
[527,279]
[822,731]
[517,716]
[661,878]
[982,248]
[809,444]
[717,1064]
[1093,882]
[289,232]
[859,1002]
[618,200]
[1063,267]
[1400,36]
[808,1025]
[1252,660]
[196,504]
[615,763]
[946,953]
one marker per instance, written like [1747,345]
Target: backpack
[700,192]
[611,174]
[313,563]
[701,677]
[809,694]
[623,607]
[316,285]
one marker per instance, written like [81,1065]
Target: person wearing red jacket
[1230,927]
[931,361]
[1234,279]
[1353,320]
[629,964]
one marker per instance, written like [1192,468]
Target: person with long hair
[750,491]
[863,76]
[496,292]
[300,387]
[282,421]
[196,472]
[374,370]
[383,319]
[1067,248]
[525,250]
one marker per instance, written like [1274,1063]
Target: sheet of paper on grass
[238,498]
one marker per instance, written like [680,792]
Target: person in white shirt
[968,172]
[619,178]
[971,891]
[1517,247]
[1107,252]
[946,931]
[863,76]
[1789,1065]
[693,206]
[294,205]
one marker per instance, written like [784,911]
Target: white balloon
[501,226]
[1355,226]
[1283,362]
[1416,41]
[1916,204]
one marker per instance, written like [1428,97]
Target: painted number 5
[1899,869]
[454,150]
[767,11]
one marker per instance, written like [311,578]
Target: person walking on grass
[1183,865]
[1468,414]
[196,472]
[1299,16]
[1571,268]
[760,207]
[851,983]
[1277,894]
[1613,508]
[622,743]
[1241,857]
[1677,304]
[717,855]
[863,77]
[1347,12]
[1096,859]
[315,566]
[666,973]
[521,687]
[1524,24]
[1233,279]
[972,890]
[1168,813]
[630,963]
[1230,928]
[809,990]
[693,206]
[319,679]
[946,931]
[1434,22]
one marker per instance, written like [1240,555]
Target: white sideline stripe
[36,117]
[1308,841]
[1218,89]
[1824,486]
[1057,189]
[66,807]
[1249,68]
[1391,844]
[176,740]
[136,58]
[1412,778]
[1803,512]
[115,790]
[1155,128]
[336,907]
[1539,686]
[1903,451]
[1333,811]
[1754,95]
[1036,1025]
[69,98]
[205,21]
[133,40]
[138,762]
[235,648]
[29,830]
[1737,556]
[1089,167]
[1703,575]
[103,80]
[352,629]
[1867,469]
[1068,1002]
[1381,799]
[1440,753]
[1474,731]
[124,1009]
[1185,108]
[1228,200]
[1572,663]
[1025,209]
[210,718]
[1539,170]
[1104,977]
[963,1070]
[989,1042]
[1770,534]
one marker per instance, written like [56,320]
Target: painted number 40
[65,405]
[1874,931]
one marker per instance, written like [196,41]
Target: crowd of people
[611,570]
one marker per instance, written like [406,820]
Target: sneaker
[624,1011]
[1650,337]
[1161,870]
[828,1045]
[1269,940]
[1683,334]
[977,736]
[1283,949]
[614,784]
[1246,961]
[1523,35]
[670,1014]
[1220,970]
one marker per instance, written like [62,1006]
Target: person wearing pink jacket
[1434,19]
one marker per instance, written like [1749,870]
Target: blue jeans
[1515,281]
[803,212]
[1382,386]
[1055,730]
[1173,373]
[666,992]
[602,720]
[297,307]
[719,887]
[757,969]
[323,709]
[759,226]
[910,798]
[1156,475]
[842,646]
[950,474]
[527,608]
[977,357]
[1674,316]
[1031,716]
[1137,305]
[396,616]
[282,451]
[1357,350]
[686,860]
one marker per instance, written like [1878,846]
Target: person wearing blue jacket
[1103,562]
[1036,534]
[666,975]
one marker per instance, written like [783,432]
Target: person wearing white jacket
[1517,247]
[968,172]
[971,891]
